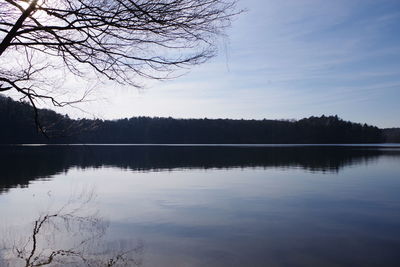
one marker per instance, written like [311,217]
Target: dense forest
[392,135]
[18,126]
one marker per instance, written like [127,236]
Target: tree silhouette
[120,40]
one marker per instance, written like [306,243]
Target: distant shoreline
[19,127]
[384,145]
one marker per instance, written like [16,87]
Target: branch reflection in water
[71,235]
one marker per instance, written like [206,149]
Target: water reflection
[72,235]
[19,165]
[276,206]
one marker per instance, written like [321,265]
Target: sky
[282,59]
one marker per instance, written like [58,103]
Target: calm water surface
[199,206]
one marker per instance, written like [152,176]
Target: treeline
[18,126]
[392,135]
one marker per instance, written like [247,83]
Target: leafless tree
[119,40]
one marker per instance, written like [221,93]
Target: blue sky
[284,59]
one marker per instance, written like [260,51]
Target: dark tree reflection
[47,161]
[72,235]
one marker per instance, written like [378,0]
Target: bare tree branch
[120,40]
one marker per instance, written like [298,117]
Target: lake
[171,205]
